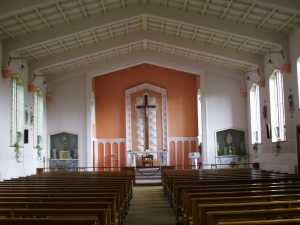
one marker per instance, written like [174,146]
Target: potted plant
[38,146]
[17,145]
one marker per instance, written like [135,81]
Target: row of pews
[60,198]
[232,196]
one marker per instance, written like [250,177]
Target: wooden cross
[146,106]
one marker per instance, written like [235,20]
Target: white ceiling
[151,24]
[139,46]
[219,23]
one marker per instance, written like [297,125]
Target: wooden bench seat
[65,205]
[265,222]
[191,215]
[187,193]
[101,198]
[102,215]
[215,217]
[195,194]
[246,193]
[50,221]
[200,218]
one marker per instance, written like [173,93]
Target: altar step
[144,176]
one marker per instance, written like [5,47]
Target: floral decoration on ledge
[39,147]
[17,146]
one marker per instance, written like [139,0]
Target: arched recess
[128,93]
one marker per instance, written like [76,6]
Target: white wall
[285,159]
[67,111]
[9,167]
[225,107]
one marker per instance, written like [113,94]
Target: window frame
[255,114]
[38,124]
[277,106]
[199,115]
[17,113]
[298,79]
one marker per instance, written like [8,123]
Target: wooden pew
[205,208]
[215,217]
[264,222]
[50,221]
[102,196]
[194,194]
[193,217]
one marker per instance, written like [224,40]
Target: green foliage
[17,146]
[38,146]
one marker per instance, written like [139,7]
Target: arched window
[17,113]
[298,76]
[38,119]
[199,109]
[277,106]
[255,114]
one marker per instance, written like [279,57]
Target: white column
[176,153]
[182,152]
[104,154]
[119,154]
[96,153]
[204,155]
[111,150]
[190,148]
[88,156]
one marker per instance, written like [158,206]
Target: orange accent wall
[181,97]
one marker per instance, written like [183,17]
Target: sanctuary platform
[145,176]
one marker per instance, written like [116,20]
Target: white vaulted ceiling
[59,35]
[139,46]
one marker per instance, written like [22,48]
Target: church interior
[155,112]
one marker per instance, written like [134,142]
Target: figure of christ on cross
[146,106]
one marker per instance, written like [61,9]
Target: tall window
[17,113]
[199,108]
[277,106]
[255,114]
[298,75]
[38,118]
[93,116]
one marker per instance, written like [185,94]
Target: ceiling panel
[144,45]
[66,11]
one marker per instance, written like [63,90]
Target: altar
[142,159]
[64,151]
[63,163]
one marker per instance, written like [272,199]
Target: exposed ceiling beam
[207,22]
[141,57]
[245,15]
[133,59]
[13,7]
[239,57]
[292,6]
[221,25]
[227,9]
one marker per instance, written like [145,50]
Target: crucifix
[146,106]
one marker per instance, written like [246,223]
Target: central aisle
[149,206]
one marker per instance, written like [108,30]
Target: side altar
[63,151]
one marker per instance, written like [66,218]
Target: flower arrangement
[38,146]
[255,147]
[17,146]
